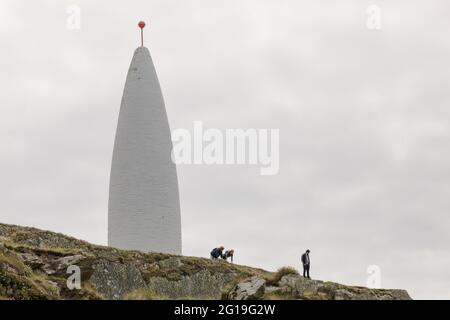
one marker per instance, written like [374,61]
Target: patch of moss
[155,257]
[189,266]
[9,259]
[20,282]
[23,288]
[42,284]
[54,251]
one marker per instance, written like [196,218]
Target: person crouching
[216,253]
[228,254]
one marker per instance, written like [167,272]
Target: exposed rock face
[252,289]
[303,288]
[34,265]
[113,279]
[203,285]
[294,286]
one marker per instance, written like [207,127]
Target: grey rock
[112,273]
[32,260]
[113,280]
[201,285]
[252,289]
[302,288]
[36,262]
[64,262]
[271,289]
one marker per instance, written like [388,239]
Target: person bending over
[216,253]
[228,254]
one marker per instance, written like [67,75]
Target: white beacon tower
[144,204]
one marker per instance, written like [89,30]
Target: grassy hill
[37,264]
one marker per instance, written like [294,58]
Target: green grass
[13,261]
[146,294]
[273,279]
[192,265]
[55,251]
[49,246]
[143,294]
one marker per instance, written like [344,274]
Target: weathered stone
[271,289]
[252,289]
[302,288]
[64,262]
[33,265]
[32,260]
[113,280]
[200,285]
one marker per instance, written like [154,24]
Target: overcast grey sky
[363,116]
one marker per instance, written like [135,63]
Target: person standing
[306,264]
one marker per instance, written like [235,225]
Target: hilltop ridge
[36,264]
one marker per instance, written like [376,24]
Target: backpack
[304,258]
[215,253]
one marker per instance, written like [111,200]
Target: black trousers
[306,271]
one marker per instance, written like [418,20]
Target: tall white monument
[144,205]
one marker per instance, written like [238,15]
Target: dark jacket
[305,259]
[216,253]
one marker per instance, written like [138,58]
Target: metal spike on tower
[141,25]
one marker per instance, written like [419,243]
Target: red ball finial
[141,25]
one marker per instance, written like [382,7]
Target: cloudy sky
[363,115]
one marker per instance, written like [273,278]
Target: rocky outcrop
[36,264]
[114,279]
[201,285]
[294,286]
[252,289]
